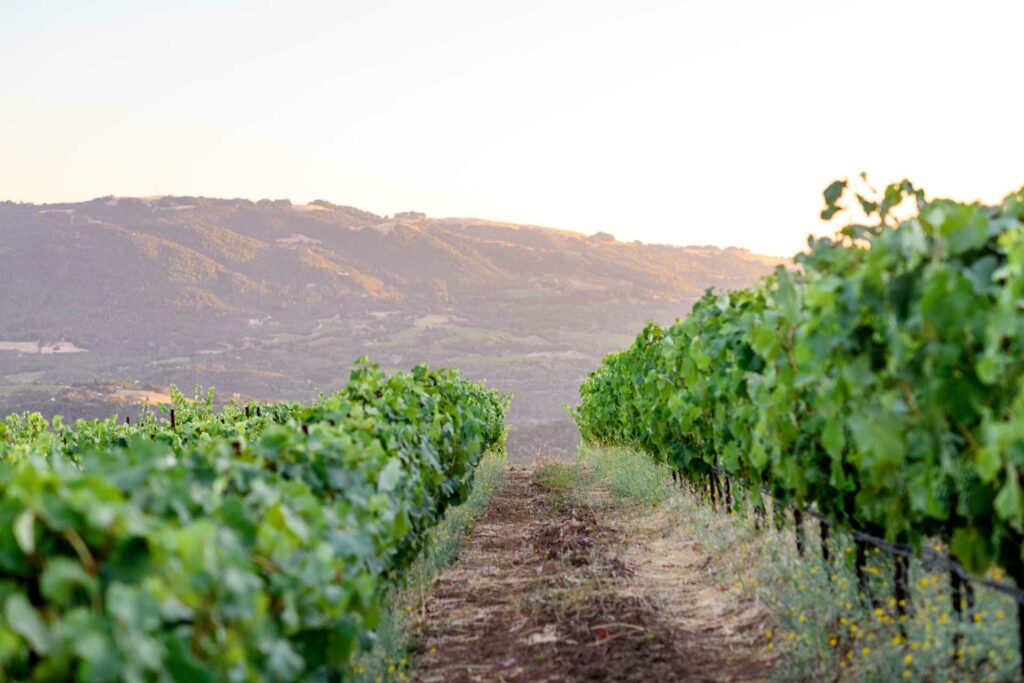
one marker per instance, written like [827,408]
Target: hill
[109,299]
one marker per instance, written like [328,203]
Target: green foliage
[253,544]
[880,382]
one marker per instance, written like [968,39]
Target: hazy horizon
[639,120]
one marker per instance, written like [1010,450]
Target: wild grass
[559,476]
[629,475]
[823,626]
[389,659]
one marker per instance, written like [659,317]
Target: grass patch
[559,477]
[631,477]
[628,474]
[568,483]
[389,658]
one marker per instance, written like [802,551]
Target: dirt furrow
[545,590]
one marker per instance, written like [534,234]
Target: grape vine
[879,382]
[254,543]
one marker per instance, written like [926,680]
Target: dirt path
[547,590]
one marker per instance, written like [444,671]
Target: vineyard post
[825,541]
[901,590]
[128,420]
[173,423]
[860,560]
[728,495]
[1020,630]
[798,526]
[956,596]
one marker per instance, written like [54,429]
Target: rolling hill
[105,300]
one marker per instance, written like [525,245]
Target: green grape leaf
[1009,504]
[23,619]
[25,531]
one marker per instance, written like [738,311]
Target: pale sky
[701,122]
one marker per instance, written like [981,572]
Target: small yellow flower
[1000,614]
[908,660]
[865,651]
[924,582]
[802,619]
[771,646]
[391,669]
[906,673]
[833,641]
[433,650]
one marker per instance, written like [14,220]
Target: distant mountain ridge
[273,299]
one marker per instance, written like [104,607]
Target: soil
[547,588]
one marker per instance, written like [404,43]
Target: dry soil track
[547,590]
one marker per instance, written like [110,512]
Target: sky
[684,122]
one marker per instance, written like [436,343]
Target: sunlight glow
[667,121]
